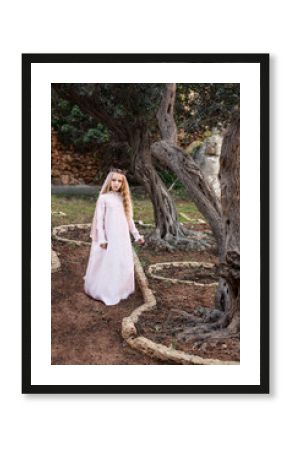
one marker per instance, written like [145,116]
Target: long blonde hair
[124,191]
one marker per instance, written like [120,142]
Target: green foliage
[98,134]
[75,127]
[169,178]
[134,102]
[199,107]
[171,181]
[202,106]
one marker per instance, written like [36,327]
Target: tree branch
[165,117]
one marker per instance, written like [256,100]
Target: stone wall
[71,168]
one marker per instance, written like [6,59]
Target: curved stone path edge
[149,347]
[128,328]
[153,268]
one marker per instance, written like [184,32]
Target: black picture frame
[262,60]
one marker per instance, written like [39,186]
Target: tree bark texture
[183,165]
[169,232]
[223,321]
[228,293]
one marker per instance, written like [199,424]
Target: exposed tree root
[203,333]
[183,241]
[204,325]
[215,338]
[201,316]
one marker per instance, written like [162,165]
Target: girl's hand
[104,246]
[141,241]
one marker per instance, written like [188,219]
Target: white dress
[110,272]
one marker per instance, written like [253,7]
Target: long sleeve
[102,238]
[133,230]
[98,228]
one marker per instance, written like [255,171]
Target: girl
[110,271]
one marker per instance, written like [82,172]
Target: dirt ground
[85,331]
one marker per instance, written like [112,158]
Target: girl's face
[116,182]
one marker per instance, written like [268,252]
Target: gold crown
[123,172]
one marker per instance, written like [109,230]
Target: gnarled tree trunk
[224,320]
[183,165]
[194,182]
[228,293]
[169,233]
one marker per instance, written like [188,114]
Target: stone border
[159,266]
[60,229]
[193,221]
[55,262]
[145,225]
[128,329]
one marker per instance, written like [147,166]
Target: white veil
[94,231]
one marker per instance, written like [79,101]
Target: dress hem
[123,297]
